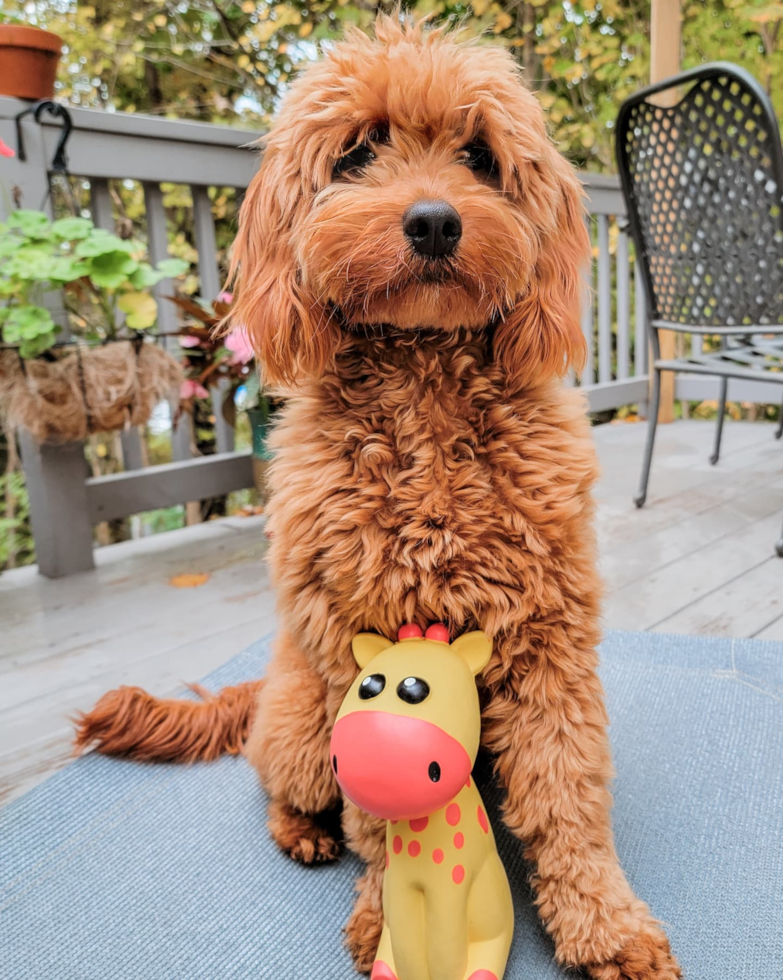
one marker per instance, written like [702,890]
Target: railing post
[103,217]
[588,374]
[58,506]
[158,245]
[209,277]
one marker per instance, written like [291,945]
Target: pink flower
[189,341]
[239,345]
[192,389]
[225,297]
[6,151]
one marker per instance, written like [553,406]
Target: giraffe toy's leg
[492,919]
[383,967]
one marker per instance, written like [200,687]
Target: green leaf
[33,224]
[112,269]
[72,229]
[101,242]
[36,346]
[140,310]
[8,244]
[67,269]
[145,276]
[29,263]
[172,267]
[26,323]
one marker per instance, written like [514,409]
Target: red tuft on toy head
[410,631]
[437,632]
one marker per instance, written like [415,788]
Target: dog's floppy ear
[542,336]
[366,646]
[289,330]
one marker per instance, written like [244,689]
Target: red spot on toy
[453,814]
[380,971]
[482,818]
[420,824]
[410,631]
[414,848]
[482,975]
[459,841]
[458,874]
[437,632]
[397,844]
[437,855]
[467,784]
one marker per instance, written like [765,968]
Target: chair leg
[724,387]
[652,425]
[779,432]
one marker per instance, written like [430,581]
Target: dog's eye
[371,686]
[478,157]
[413,690]
[379,134]
[358,158]
[363,154]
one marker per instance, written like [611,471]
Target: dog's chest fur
[406,484]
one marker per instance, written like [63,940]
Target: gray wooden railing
[65,502]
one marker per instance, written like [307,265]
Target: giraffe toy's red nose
[396,767]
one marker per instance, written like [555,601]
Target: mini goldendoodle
[409,264]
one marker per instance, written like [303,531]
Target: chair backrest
[703,182]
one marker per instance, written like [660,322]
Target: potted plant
[28,60]
[211,357]
[108,374]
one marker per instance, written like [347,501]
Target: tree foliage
[229,61]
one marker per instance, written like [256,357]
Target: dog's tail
[132,723]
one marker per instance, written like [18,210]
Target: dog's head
[409,182]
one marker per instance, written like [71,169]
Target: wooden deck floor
[698,559]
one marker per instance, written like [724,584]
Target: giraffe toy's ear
[475,649]
[365,646]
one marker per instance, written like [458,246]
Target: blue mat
[113,870]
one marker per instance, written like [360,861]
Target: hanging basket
[83,390]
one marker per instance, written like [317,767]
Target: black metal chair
[703,183]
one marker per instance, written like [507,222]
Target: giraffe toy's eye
[413,690]
[371,686]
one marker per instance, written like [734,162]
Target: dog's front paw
[302,837]
[647,956]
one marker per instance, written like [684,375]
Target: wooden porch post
[665,42]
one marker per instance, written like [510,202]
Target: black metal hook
[59,164]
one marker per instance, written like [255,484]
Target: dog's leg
[366,836]
[289,747]
[547,724]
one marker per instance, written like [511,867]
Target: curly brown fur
[304,838]
[132,723]
[429,465]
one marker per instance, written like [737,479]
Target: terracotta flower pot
[28,61]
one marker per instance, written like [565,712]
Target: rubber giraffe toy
[403,746]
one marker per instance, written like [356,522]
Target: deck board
[697,559]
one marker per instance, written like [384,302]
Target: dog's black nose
[432,227]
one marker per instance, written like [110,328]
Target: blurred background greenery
[229,61]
